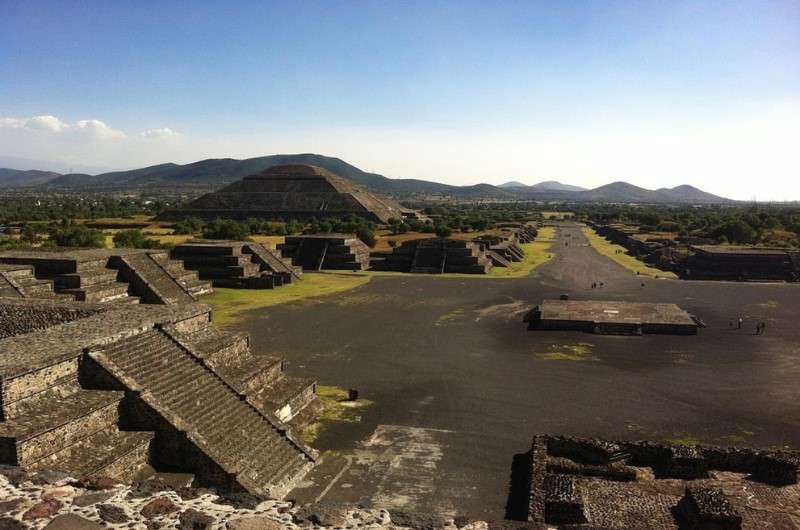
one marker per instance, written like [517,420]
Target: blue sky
[656,93]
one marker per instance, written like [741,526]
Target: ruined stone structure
[326,251]
[238,264]
[611,318]
[717,262]
[291,192]
[589,483]
[102,389]
[19,281]
[100,275]
[437,256]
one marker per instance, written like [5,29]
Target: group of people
[759,326]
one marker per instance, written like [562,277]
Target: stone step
[56,418]
[219,421]
[149,280]
[284,397]
[76,280]
[110,452]
[103,292]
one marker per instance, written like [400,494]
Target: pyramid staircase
[438,256]
[104,276]
[255,451]
[237,264]
[19,281]
[326,251]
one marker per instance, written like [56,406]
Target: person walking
[739,323]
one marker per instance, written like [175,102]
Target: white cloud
[97,129]
[46,123]
[164,132]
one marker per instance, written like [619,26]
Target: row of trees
[724,224]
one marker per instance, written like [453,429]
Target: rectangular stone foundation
[611,318]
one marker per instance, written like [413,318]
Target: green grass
[229,304]
[336,409]
[581,351]
[619,254]
[536,254]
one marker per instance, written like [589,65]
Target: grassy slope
[609,249]
[228,304]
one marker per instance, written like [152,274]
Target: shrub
[366,235]
[190,225]
[226,229]
[134,239]
[443,231]
[78,236]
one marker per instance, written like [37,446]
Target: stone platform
[100,276]
[107,388]
[237,264]
[437,256]
[611,317]
[326,251]
[590,483]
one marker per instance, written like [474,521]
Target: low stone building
[100,276]
[103,389]
[611,317]
[437,256]
[592,483]
[720,262]
[239,264]
[326,251]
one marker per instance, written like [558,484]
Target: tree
[190,225]
[366,235]
[443,231]
[78,236]
[134,239]
[226,229]
[736,231]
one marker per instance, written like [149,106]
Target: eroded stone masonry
[591,484]
[106,389]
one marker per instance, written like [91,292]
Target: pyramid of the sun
[291,192]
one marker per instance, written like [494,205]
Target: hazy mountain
[553,185]
[547,185]
[15,178]
[16,162]
[217,172]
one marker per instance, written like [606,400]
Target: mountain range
[217,172]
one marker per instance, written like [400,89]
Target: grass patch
[336,409]
[581,351]
[619,254]
[229,304]
[535,254]
[449,317]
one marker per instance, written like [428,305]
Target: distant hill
[17,178]
[217,172]
[547,185]
[513,184]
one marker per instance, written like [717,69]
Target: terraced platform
[108,388]
[103,275]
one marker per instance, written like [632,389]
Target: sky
[585,92]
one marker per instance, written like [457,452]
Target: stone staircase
[257,452]
[18,281]
[188,279]
[326,251]
[149,279]
[59,425]
[237,264]
[274,261]
[260,378]
[108,275]
[94,282]
[438,255]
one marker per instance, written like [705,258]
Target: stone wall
[19,320]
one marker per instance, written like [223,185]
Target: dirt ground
[460,384]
